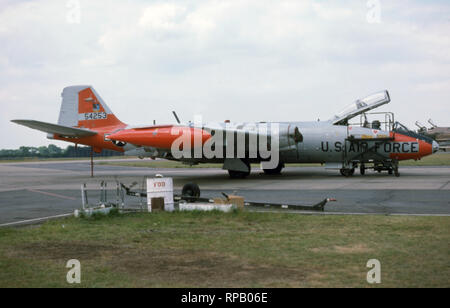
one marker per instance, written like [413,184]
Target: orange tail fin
[82,107]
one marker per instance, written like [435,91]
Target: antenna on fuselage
[420,126]
[431,122]
[176,117]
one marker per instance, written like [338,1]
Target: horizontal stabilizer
[64,131]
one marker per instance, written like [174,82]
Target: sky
[240,60]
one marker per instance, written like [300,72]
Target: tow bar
[319,207]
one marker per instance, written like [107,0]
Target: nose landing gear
[395,167]
[362,169]
[347,172]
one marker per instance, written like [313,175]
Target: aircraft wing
[56,129]
[360,106]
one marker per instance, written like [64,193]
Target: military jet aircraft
[439,133]
[86,119]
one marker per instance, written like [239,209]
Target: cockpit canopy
[360,106]
[402,129]
[398,127]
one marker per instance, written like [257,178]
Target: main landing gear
[243,174]
[234,174]
[276,170]
[238,174]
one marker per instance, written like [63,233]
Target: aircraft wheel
[362,169]
[238,174]
[396,172]
[276,170]
[347,172]
[390,171]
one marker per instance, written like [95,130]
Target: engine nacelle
[289,137]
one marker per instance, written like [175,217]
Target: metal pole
[92,162]
[84,199]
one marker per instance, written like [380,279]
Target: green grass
[35,159]
[240,249]
[439,159]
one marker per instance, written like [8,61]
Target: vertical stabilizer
[83,107]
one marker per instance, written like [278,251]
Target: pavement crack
[442,187]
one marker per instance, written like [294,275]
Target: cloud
[163,18]
[241,60]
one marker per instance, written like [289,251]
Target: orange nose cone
[406,147]
[162,137]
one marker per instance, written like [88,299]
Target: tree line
[53,151]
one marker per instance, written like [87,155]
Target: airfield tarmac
[40,189]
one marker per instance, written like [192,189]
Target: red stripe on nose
[406,147]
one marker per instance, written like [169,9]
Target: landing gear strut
[395,167]
[362,169]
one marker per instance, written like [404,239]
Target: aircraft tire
[276,170]
[238,174]
[362,169]
[347,172]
